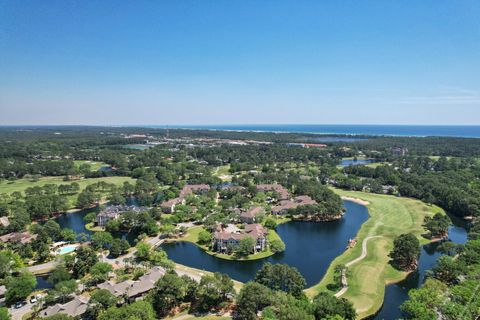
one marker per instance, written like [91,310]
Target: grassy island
[192,236]
[389,217]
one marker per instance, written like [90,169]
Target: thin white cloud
[449,100]
[447,95]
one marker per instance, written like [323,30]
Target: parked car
[33,300]
[20,304]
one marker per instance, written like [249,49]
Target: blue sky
[231,62]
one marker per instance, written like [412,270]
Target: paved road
[120,261]
[17,314]
[42,267]
[348,264]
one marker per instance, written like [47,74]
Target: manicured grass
[192,236]
[389,217]
[237,285]
[223,172]
[375,164]
[21,185]
[92,227]
[94,165]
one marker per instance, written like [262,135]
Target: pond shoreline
[252,257]
[386,216]
[324,242]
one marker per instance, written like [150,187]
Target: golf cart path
[348,264]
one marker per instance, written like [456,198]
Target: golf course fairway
[390,217]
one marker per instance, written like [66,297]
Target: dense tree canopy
[406,249]
[281,277]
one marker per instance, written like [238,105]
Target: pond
[396,294]
[310,247]
[42,282]
[140,147]
[352,162]
[75,221]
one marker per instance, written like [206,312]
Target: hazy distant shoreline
[460,131]
[463,131]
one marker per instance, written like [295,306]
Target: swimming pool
[66,249]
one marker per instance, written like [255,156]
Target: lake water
[76,222]
[396,294]
[42,282]
[310,247]
[347,129]
[351,162]
[105,169]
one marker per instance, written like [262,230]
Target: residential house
[132,289]
[226,239]
[292,204]
[117,289]
[251,215]
[4,222]
[74,308]
[283,193]
[169,205]
[114,212]
[193,188]
[106,216]
[146,282]
[21,237]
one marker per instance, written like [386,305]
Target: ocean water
[376,130]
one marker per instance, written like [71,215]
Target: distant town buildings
[307,145]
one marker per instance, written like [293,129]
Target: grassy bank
[21,185]
[192,236]
[389,217]
[197,273]
[92,227]
[94,165]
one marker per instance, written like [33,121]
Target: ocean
[376,130]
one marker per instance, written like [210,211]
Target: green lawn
[389,217]
[21,184]
[95,165]
[223,172]
[375,164]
